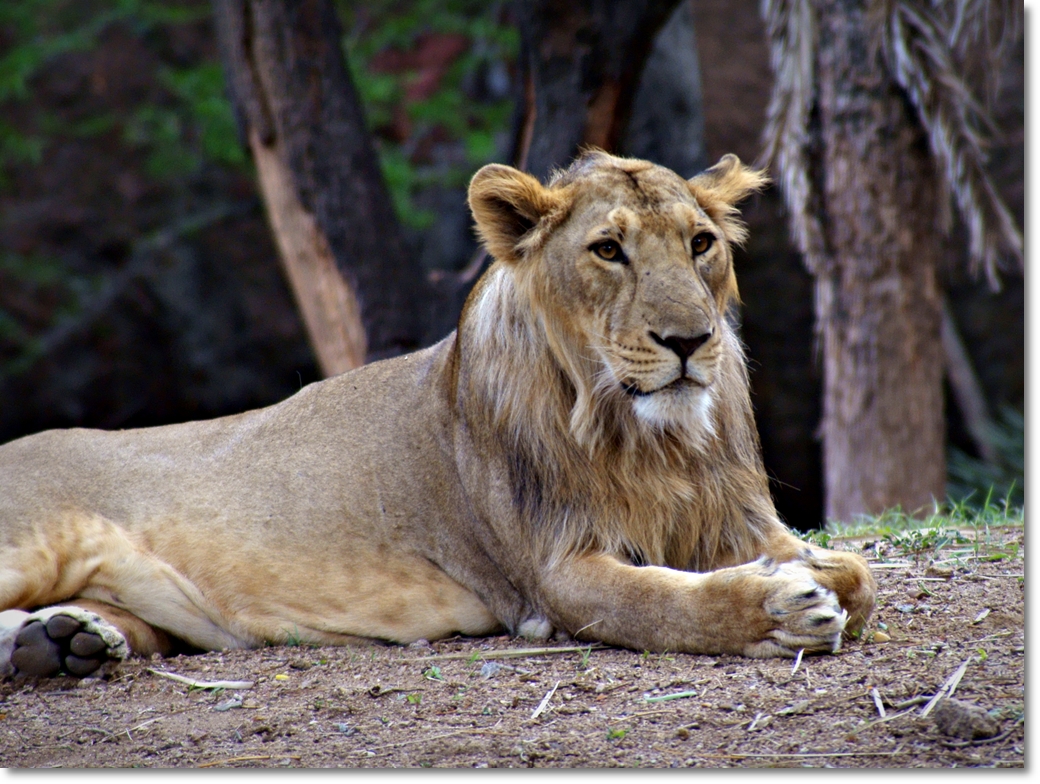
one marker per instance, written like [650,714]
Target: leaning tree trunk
[879,304]
[357,287]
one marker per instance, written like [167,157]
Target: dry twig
[545,702]
[980,741]
[679,695]
[876,696]
[948,688]
[506,653]
[797,661]
[807,754]
[250,758]
[202,684]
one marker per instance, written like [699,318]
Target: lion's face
[643,273]
[630,267]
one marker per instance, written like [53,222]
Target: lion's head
[597,353]
[631,265]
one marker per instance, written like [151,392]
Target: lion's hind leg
[89,563]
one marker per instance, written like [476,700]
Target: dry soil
[479,703]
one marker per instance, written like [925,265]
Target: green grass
[585,654]
[958,529]
[433,674]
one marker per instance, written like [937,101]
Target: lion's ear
[719,189]
[508,205]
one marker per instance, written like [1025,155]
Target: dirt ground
[486,703]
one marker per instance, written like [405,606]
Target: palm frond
[920,48]
[980,35]
[791,31]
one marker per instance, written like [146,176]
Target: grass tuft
[961,530]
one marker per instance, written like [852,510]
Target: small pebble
[963,720]
[881,637]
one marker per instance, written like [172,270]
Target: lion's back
[325,448]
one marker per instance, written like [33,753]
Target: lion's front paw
[66,640]
[806,615]
[848,576]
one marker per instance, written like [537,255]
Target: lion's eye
[609,251]
[701,243]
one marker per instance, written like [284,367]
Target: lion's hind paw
[66,640]
[808,616]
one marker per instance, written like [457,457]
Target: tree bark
[879,304]
[581,62]
[357,286]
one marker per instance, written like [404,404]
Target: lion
[577,459]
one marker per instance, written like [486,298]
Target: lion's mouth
[634,391]
[678,385]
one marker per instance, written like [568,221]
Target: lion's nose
[682,346]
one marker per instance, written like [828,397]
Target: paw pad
[54,643]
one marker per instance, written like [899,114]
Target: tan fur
[553,465]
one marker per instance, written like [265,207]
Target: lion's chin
[682,405]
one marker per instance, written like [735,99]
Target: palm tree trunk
[878,300]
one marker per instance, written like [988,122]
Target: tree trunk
[356,285]
[879,305]
[581,62]
[667,116]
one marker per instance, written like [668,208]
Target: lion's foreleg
[758,609]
